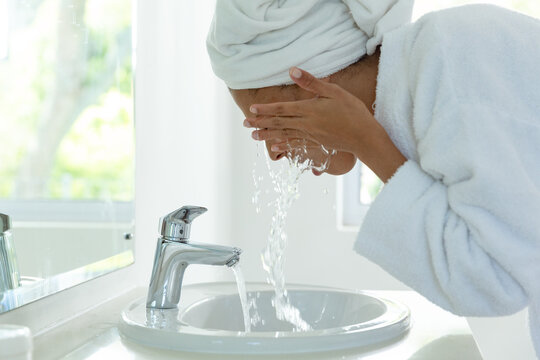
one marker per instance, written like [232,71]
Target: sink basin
[210,320]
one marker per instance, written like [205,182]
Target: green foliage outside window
[66,109]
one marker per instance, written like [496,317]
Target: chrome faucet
[174,252]
[9,271]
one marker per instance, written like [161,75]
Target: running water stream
[285,182]
[241,283]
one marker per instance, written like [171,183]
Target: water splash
[255,199]
[285,182]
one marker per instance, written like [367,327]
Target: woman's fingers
[273,122]
[278,135]
[293,144]
[285,109]
[310,83]
[298,108]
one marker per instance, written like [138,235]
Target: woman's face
[246,97]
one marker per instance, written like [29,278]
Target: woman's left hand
[334,118]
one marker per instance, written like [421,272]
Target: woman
[446,111]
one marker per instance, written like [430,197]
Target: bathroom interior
[147,129]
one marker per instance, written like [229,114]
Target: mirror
[67,143]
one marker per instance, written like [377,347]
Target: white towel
[459,93]
[254,43]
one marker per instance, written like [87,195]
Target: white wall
[180,134]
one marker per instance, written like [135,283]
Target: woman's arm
[380,154]
[461,232]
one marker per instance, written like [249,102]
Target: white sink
[210,320]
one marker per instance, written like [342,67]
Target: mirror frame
[36,290]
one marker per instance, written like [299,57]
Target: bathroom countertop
[434,334]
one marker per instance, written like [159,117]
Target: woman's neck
[360,79]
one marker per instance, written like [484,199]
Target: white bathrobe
[459,94]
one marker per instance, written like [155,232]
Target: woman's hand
[334,118]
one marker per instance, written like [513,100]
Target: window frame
[350,210]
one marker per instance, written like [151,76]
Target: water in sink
[323,310]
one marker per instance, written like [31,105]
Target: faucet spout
[171,260]
[174,253]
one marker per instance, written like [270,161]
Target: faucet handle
[176,225]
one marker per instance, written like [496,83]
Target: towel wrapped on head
[253,43]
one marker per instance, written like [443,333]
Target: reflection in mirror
[67,143]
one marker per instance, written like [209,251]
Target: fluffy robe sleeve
[461,225]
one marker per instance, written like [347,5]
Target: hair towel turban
[253,43]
